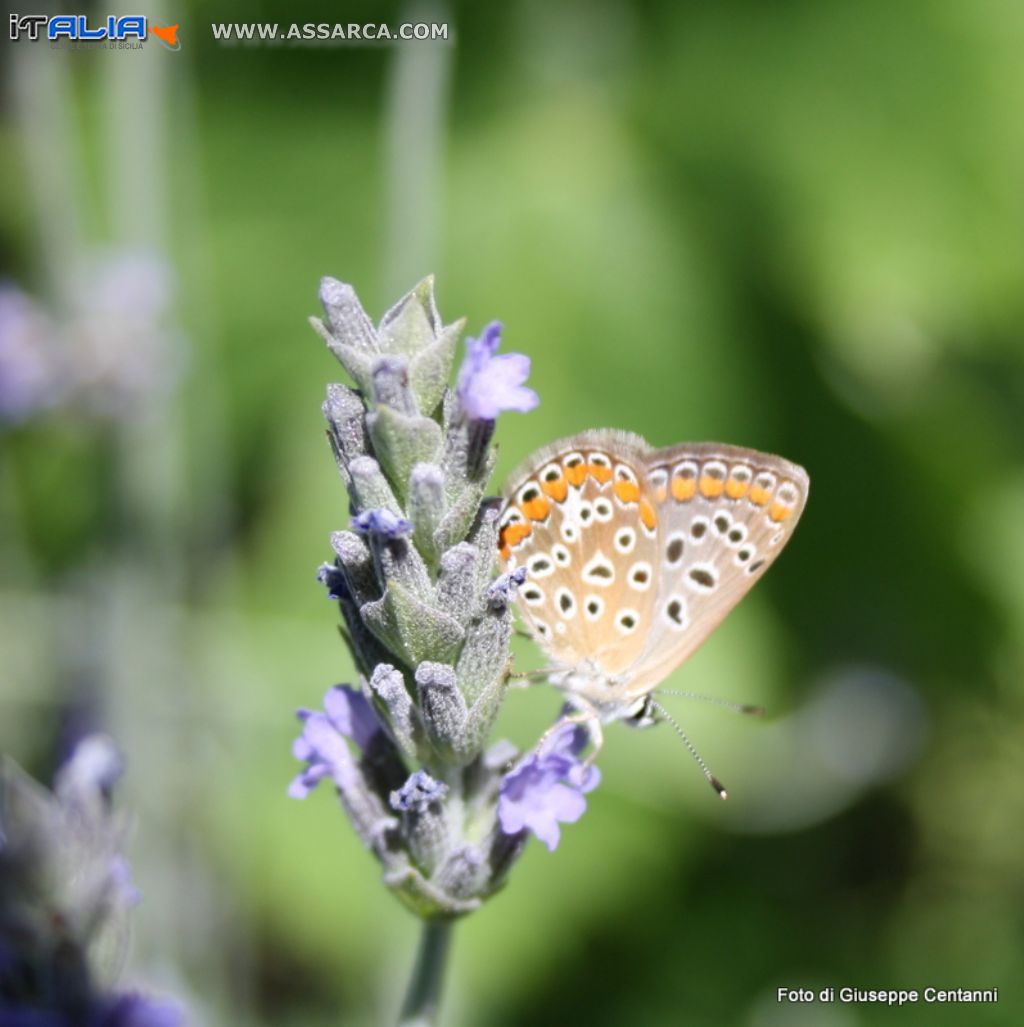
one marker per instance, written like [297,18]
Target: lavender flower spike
[489,384]
[428,620]
[548,787]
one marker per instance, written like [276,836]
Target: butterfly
[635,555]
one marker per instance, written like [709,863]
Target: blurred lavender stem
[423,998]
[416,119]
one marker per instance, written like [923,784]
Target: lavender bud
[403,718]
[427,506]
[346,319]
[444,710]
[424,825]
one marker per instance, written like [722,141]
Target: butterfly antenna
[736,707]
[712,780]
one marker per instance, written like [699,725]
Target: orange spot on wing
[504,552]
[557,489]
[512,534]
[536,509]
[601,473]
[736,489]
[648,514]
[683,488]
[779,512]
[576,475]
[660,493]
[759,495]
[627,491]
[711,487]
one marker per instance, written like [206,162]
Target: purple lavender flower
[381,522]
[418,792]
[547,787]
[347,715]
[501,590]
[489,384]
[330,576]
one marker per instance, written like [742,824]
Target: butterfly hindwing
[725,514]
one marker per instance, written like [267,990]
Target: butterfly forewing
[635,555]
[581,523]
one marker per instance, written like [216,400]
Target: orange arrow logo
[168,35]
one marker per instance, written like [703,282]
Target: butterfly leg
[523,679]
[579,717]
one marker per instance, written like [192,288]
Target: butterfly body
[634,555]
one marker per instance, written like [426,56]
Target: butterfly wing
[579,519]
[724,515]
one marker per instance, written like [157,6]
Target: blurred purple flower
[322,746]
[64,887]
[29,381]
[134,1010]
[547,787]
[128,1010]
[489,384]
[381,522]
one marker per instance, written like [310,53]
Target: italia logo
[77,27]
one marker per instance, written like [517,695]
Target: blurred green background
[797,227]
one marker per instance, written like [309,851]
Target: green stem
[424,994]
